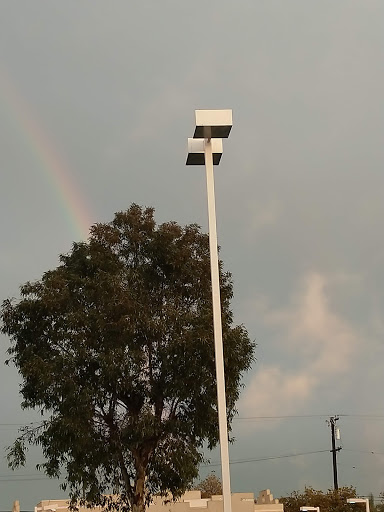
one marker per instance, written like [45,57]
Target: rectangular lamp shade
[213,123]
[196,155]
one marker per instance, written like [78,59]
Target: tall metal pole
[217,328]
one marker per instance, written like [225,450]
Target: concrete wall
[191,501]
[59,506]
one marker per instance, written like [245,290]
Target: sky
[97,101]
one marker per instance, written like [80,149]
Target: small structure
[266,503]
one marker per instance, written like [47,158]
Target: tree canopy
[209,486]
[379,507]
[115,348]
[330,501]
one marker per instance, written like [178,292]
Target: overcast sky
[97,101]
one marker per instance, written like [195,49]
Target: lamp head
[196,151]
[215,124]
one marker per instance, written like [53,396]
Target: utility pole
[332,423]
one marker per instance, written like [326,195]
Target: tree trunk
[138,504]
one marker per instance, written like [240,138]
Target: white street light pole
[217,328]
[360,500]
[206,147]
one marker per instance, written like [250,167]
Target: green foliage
[209,486]
[331,501]
[379,507]
[115,348]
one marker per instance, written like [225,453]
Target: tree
[331,501]
[380,506]
[209,486]
[372,506]
[114,347]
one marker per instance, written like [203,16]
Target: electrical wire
[243,461]
[29,479]
[276,417]
[295,416]
[363,451]
[26,477]
[281,417]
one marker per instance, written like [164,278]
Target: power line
[378,416]
[275,417]
[20,424]
[363,451]
[281,417]
[18,475]
[243,461]
[2,479]
[294,416]
[242,418]
[24,477]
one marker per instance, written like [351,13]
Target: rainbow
[56,171]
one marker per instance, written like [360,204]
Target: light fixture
[206,148]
